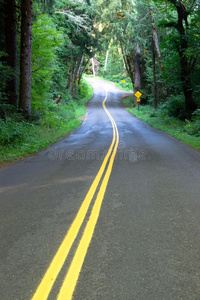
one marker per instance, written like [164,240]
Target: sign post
[138,95]
[138,102]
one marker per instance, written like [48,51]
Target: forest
[151,46]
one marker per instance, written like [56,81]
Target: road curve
[110,212]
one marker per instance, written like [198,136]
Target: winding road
[112,211]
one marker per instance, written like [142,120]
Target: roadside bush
[193,127]
[51,120]
[175,106]
[81,90]
[127,84]
[57,116]
[13,132]
[196,115]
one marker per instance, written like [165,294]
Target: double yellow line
[72,275]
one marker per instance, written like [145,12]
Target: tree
[106,61]
[154,76]
[187,66]
[158,51]
[25,57]
[186,62]
[11,50]
[76,19]
[67,34]
[46,40]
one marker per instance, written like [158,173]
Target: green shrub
[153,114]
[196,115]
[193,127]
[13,132]
[175,106]
[83,88]
[56,116]
[51,120]
[127,84]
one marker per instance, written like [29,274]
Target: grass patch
[20,138]
[185,131]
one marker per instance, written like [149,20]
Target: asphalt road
[110,212]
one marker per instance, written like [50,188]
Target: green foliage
[172,70]
[126,83]
[193,127]
[56,116]
[115,67]
[64,31]
[180,45]
[175,106]
[5,74]
[82,91]
[185,131]
[46,40]
[19,138]
[12,132]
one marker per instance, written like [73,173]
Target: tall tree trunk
[137,82]
[128,62]
[70,81]
[75,71]
[125,61]
[130,65]
[156,41]
[79,68]
[157,48]
[25,57]
[154,76]
[93,68]
[11,50]
[190,104]
[106,61]
[83,70]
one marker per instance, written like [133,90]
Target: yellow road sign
[123,81]
[138,94]
[138,99]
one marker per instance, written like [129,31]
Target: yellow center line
[71,278]
[52,272]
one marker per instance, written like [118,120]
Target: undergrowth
[187,131]
[20,138]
